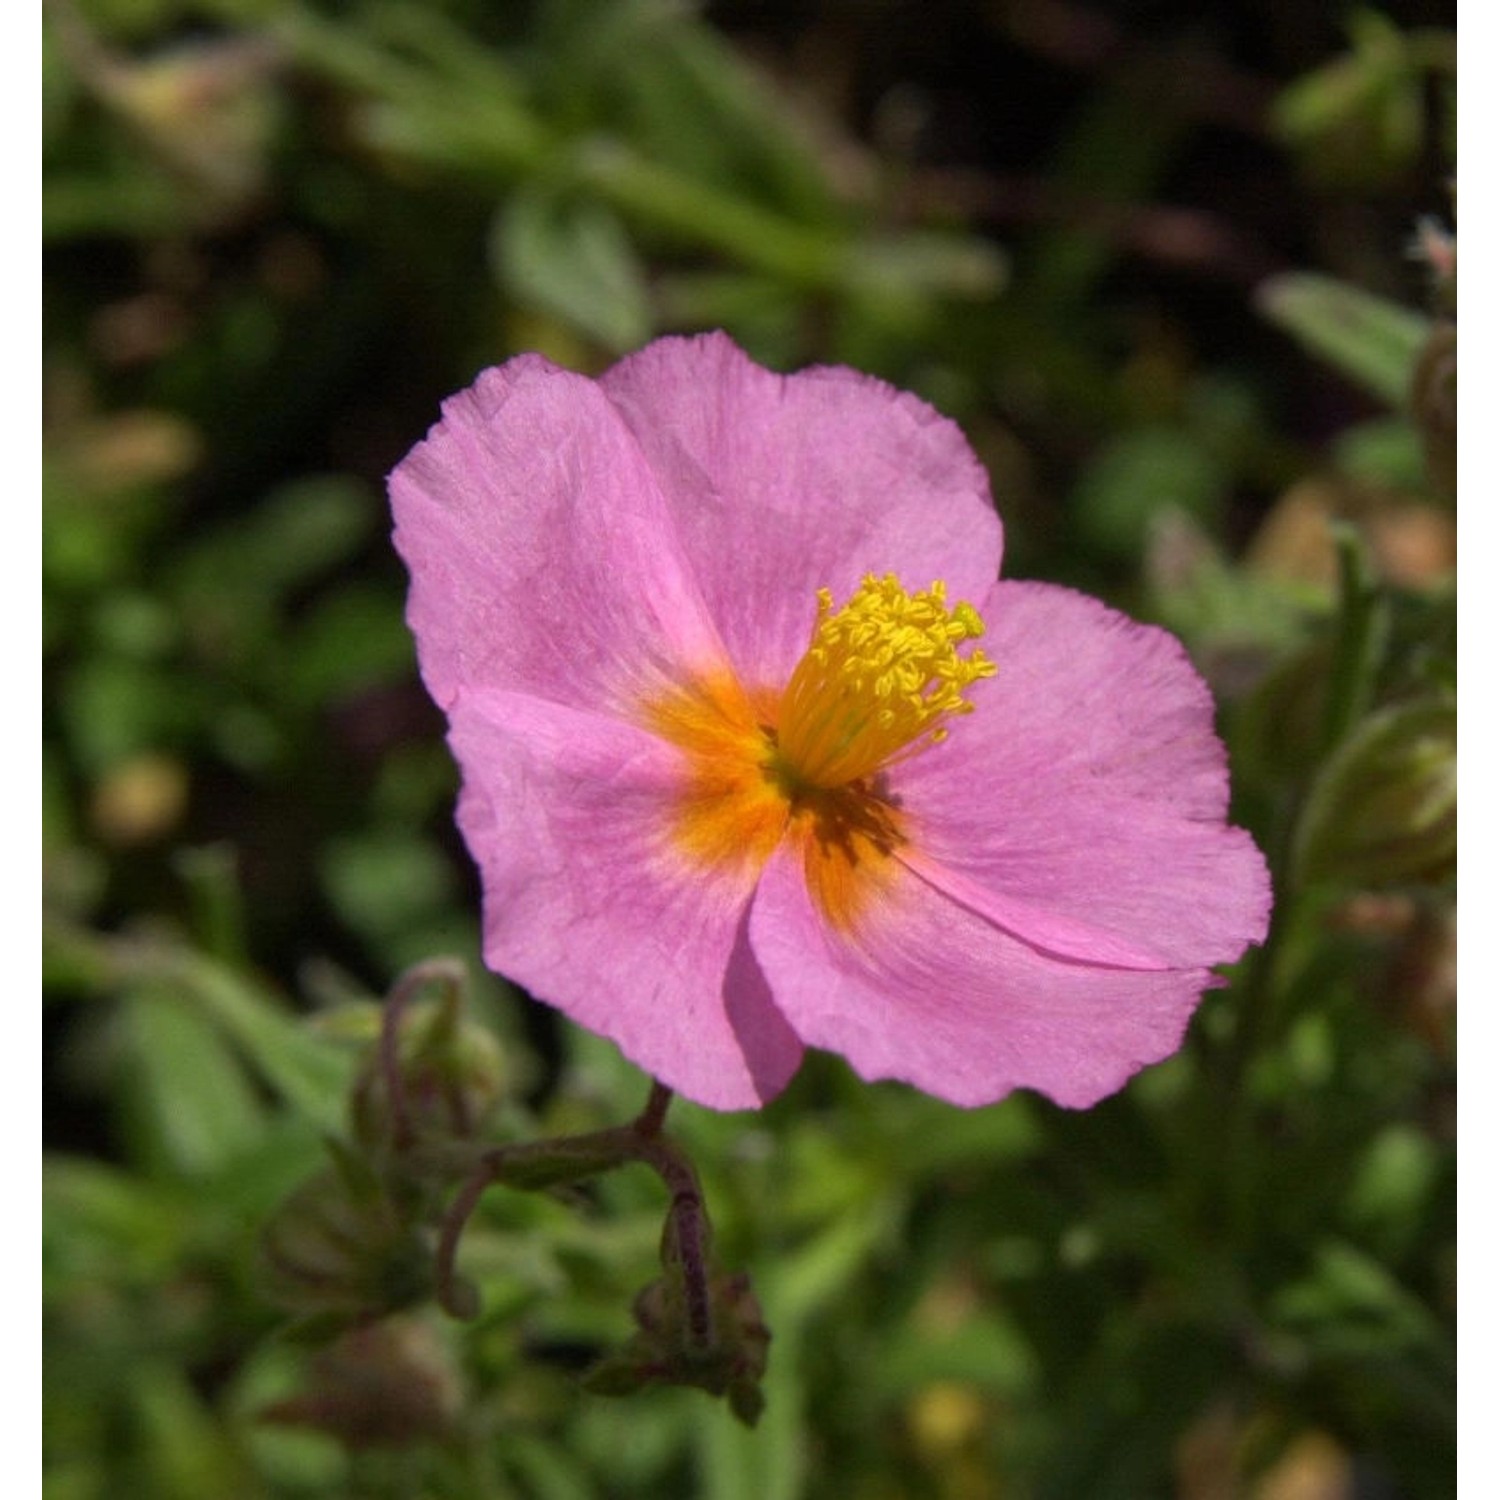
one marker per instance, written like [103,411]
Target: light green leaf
[193,1102]
[573,259]
[1140,476]
[1373,341]
[312,1076]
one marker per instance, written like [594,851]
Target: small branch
[454,1296]
[649,1122]
[689,1232]
[542,1164]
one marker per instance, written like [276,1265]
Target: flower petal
[930,993]
[1063,884]
[589,906]
[1088,784]
[542,553]
[1050,932]
[780,485]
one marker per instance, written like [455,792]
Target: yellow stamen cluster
[879,678]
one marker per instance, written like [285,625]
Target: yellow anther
[879,678]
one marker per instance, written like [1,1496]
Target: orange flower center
[879,681]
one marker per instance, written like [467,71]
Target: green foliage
[278,232]
[1361,117]
[1373,341]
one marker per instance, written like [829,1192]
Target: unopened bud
[670,1348]
[1384,808]
[339,1250]
[449,1071]
[383,1385]
[1434,405]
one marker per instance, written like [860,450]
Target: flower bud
[670,1349]
[338,1250]
[451,1076]
[1384,808]
[1434,405]
[382,1385]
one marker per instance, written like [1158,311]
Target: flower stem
[1359,641]
[687,1234]
[649,1122]
[544,1164]
[456,1297]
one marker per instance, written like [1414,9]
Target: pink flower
[738,782]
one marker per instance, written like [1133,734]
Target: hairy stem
[542,1164]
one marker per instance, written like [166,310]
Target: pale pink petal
[1049,931]
[587,905]
[1067,882]
[931,994]
[542,554]
[781,485]
[1089,784]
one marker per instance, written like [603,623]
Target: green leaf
[101,1225]
[656,75]
[988,1351]
[295,533]
[1395,1179]
[352,641]
[1361,118]
[1375,342]
[549,1470]
[573,259]
[1386,451]
[191,1098]
[1361,635]
[185,1453]
[386,881]
[1351,1301]
[1140,476]
[312,1076]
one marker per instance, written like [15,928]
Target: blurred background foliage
[1186,277]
